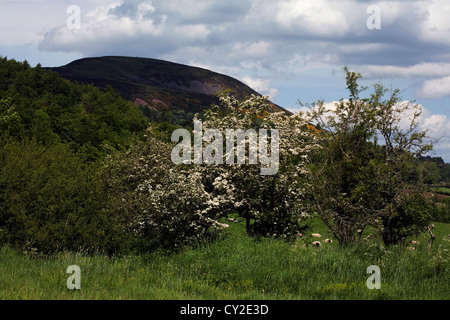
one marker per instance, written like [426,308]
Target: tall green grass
[237,267]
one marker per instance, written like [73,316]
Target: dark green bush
[51,201]
[411,217]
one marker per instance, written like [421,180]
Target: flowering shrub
[168,205]
[277,204]
[165,206]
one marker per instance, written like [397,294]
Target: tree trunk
[247,225]
[433,237]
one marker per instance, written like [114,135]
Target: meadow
[238,267]
[442,190]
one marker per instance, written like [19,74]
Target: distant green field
[239,267]
[441,190]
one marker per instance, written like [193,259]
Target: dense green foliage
[51,201]
[53,110]
[435,173]
[53,136]
[433,170]
[177,117]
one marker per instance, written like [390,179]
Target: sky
[290,50]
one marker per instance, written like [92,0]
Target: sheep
[316,235]
[223,225]
[299,235]
[317,244]
[328,241]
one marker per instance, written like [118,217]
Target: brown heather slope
[156,84]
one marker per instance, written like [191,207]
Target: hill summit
[157,84]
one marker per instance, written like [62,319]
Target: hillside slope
[156,84]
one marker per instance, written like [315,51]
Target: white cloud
[438,126]
[105,24]
[187,8]
[436,26]
[435,89]
[193,31]
[259,48]
[319,17]
[420,70]
[254,33]
[262,86]
[22,24]
[361,48]
[25,21]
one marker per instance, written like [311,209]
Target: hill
[157,85]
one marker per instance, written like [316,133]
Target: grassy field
[238,267]
[441,190]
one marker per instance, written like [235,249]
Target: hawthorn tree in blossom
[275,205]
[164,205]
